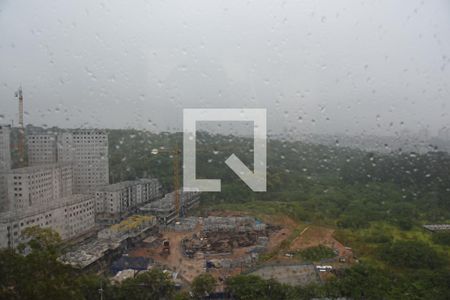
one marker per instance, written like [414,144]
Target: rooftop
[89,252]
[39,168]
[437,227]
[124,184]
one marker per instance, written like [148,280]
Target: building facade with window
[88,150]
[38,188]
[41,149]
[5,164]
[73,216]
[115,201]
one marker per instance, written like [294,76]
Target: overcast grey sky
[317,66]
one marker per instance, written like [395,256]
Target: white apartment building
[88,150]
[5,164]
[115,201]
[5,153]
[74,216]
[41,149]
[43,194]
[38,188]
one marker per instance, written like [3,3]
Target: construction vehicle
[166,248]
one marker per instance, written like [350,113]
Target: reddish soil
[187,269]
[314,236]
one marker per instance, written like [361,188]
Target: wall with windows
[38,188]
[88,150]
[74,217]
[115,201]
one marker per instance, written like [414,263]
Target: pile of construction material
[183,224]
[220,235]
[215,243]
[236,224]
[131,226]
[227,263]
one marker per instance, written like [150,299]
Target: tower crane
[21,142]
[175,152]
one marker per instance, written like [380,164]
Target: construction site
[220,243]
[223,246]
[227,245]
[171,206]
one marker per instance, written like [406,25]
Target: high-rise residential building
[5,164]
[5,153]
[55,189]
[38,188]
[88,150]
[42,196]
[41,149]
[113,202]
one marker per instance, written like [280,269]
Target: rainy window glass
[224,149]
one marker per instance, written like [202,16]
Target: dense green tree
[317,253]
[37,275]
[203,285]
[151,285]
[243,287]
[411,254]
[41,240]
[360,282]
[442,238]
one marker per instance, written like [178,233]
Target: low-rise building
[96,254]
[437,227]
[114,202]
[73,216]
[165,209]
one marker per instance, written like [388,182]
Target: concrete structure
[73,216]
[38,188]
[165,209]
[115,201]
[437,227]
[294,274]
[5,164]
[41,149]
[236,224]
[96,254]
[88,150]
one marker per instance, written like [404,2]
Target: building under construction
[167,210]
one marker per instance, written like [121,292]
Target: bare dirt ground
[314,236]
[189,268]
